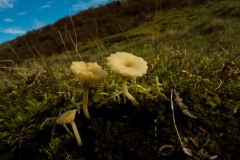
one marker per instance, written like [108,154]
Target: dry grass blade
[69,56]
[220,85]
[182,106]
[174,122]
[212,157]
[194,141]
[187,151]
[38,74]
[164,147]
[208,138]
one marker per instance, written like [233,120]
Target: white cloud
[77,7]
[82,5]
[6,4]
[37,24]
[46,6]
[50,1]
[8,20]
[13,30]
[21,13]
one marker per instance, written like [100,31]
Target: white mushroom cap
[67,117]
[127,64]
[88,73]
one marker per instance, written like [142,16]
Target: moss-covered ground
[193,73]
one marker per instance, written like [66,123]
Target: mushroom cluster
[122,63]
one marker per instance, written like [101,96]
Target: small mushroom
[88,74]
[126,64]
[68,117]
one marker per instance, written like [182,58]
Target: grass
[195,56]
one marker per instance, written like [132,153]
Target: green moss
[188,63]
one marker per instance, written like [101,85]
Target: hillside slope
[86,26]
[188,107]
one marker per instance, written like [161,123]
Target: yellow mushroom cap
[127,64]
[88,73]
[67,117]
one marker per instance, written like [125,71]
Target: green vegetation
[192,51]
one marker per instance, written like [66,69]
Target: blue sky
[19,16]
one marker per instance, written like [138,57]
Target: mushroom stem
[125,91]
[75,131]
[85,102]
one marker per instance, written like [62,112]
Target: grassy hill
[86,26]
[189,104]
